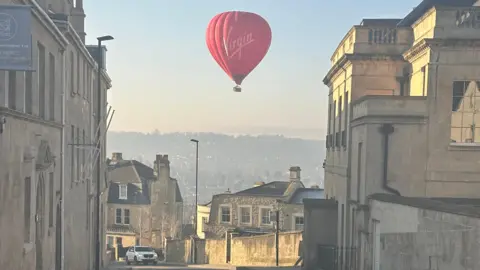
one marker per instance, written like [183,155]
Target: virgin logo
[234,47]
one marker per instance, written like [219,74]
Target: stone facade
[151,208]
[252,211]
[36,150]
[393,118]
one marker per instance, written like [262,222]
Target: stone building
[138,213]
[250,211]
[41,164]
[402,110]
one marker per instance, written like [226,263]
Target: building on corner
[46,125]
[141,210]
[403,94]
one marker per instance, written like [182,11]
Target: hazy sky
[164,77]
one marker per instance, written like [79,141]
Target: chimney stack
[257,184]
[295,173]
[162,165]
[117,156]
[78,19]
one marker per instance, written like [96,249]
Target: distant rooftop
[380,22]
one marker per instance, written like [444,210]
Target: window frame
[125,216]
[260,216]
[220,213]
[240,216]
[294,221]
[120,186]
[118,217]
[462,111]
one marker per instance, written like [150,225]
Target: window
[126,216]
[29,92]
[122,192]
[245,215]
[465,119]
[51,101]
[77,147]
[51,198]
[265,216]
[78,74]
[118,216]
[72,154]
[12,90]
[110,241]
[298,222]
[41,80]
[83,152]
[72,73]
[27,193]
[225,216]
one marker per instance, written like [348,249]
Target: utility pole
[277,233]
[196,188]
[99,147]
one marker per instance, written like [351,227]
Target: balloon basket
[237,89]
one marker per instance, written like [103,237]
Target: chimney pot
[117,156]
[259,183]
[295,173]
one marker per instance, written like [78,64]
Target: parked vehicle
[141,254]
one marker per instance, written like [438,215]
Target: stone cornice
[47,22]
[30,118]
[439,42]
[358,57]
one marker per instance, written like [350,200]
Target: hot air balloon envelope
[238,41]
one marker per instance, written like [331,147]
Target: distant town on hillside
[225,161]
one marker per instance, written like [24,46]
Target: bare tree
[171,226]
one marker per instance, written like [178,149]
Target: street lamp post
[196,187]
[99,144]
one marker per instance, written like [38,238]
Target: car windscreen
[143,249]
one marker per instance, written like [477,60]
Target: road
[123,266]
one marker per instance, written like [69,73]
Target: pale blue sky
[164,77]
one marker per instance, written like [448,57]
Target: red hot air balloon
[238,41]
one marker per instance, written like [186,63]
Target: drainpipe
[386,130]
[62,160]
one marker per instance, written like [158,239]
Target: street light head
[193,140]
[104,38]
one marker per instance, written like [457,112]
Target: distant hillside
[233,162]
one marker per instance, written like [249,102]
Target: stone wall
[260,250]
[245,251]
[179,251]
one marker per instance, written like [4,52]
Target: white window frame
[121,216]
[463,111]
[129,216]
[294,220]
[220,220]
[250,209]
[260,219]
[120,186]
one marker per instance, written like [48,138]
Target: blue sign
[15,37]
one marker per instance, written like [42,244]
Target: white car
[141,254]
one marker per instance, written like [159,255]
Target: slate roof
[380,22]
[135,195]
[425,5]
[178,196]
[272,189]
[306,193]
[457,206]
